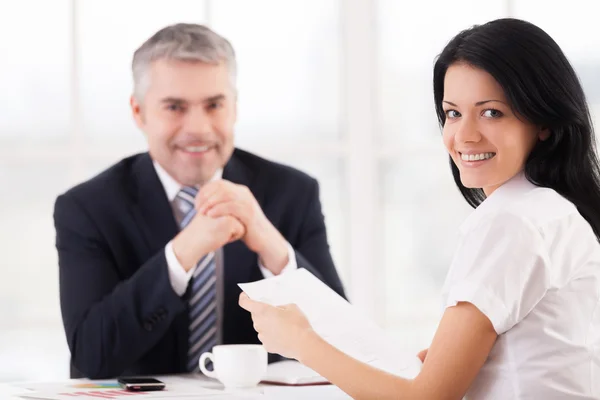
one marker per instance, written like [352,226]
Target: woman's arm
[461,345]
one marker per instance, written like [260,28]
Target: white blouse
[531,263]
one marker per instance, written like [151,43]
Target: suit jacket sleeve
[109,322]
[312,249]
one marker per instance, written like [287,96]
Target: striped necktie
[201,292]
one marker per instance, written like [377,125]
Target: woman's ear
[543,134]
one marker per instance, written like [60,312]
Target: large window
[578,36]
[421,207]
[66,84]
[341,89]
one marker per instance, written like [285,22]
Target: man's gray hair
[181,42]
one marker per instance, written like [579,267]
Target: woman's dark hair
[542,87]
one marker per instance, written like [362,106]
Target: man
[152,249]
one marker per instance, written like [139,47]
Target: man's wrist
[187,255]
[178,276]
[274,256]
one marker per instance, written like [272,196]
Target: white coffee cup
[236,365]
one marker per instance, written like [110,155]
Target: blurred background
[340,89]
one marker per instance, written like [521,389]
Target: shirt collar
[171,186]
[511,190]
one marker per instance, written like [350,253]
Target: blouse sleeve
[501,267]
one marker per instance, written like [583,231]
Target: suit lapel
[151,208]
[238,172]
[153,214]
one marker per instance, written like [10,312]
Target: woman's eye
[452,114]
[491,113]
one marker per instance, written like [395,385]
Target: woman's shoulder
[529,205]
[540,206]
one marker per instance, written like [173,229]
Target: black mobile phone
[141,384]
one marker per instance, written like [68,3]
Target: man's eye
[174,107]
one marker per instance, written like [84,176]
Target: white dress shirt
[531,263]
[177,275]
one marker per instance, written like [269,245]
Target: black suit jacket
[120,313]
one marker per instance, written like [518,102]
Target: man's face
[188,113]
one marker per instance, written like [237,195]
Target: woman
[522,295]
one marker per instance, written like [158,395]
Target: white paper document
[335,320]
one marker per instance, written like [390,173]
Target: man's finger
[225,208]
[215,186]
[209,189]
[218,197]
[238,231]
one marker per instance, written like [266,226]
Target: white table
[186,387]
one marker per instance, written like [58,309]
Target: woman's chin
[472,182]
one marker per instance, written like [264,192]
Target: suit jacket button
[148,326]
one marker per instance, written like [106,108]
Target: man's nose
[198,121]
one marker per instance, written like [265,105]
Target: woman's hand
[283,330]
[423,355]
